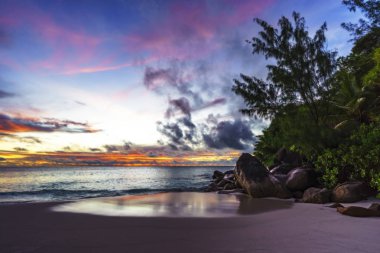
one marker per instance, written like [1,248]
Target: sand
[279,227]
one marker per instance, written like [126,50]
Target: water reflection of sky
[180,204]
[60,184]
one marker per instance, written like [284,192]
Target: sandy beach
[299,228]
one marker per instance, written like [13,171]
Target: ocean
[71,183]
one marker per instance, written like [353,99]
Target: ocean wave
[60,194]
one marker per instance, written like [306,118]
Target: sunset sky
[135,82]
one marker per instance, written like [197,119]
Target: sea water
[71,183]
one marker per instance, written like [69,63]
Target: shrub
[356,159]
[295,131]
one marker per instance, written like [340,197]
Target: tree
[300,74]
[359,100]
[370,9]
[358,82]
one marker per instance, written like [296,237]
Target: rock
[222,183]
[298,195]
[229,186]
[284,156]
[281,177]
[357,211]
[237,184]
[211,187]
[217,175]
[229,172]
[335,205]
[300,179]
[316,195]
[375,206]
[350,192]
[255,179]
[229,177]
[282,169]
[251,168]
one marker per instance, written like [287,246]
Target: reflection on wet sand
[176,204]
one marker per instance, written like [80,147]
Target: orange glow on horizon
[27,159]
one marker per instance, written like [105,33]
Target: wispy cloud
[192,29]
[5,94]
[182,30]
[9,125]
[102,68]
[68,46]
[24,139]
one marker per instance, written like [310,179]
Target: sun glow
[28,159]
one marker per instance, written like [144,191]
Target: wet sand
[175,205]
[282,228]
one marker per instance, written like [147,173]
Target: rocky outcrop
[281,169]
[217,175]
[350,192]
[256,180]
[357,211]
[252,177]
[297,195]
[281,177]
[374,206]
[300,179]
[223,181]
[284,156]
[316,195]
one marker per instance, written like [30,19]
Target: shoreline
[33,227]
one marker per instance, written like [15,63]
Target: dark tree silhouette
[300,74]
[370,9]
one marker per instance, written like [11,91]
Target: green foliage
[300,75]
[373,76]
[356,159]
[329,163]
[295,131]
[358,102]
[326,110]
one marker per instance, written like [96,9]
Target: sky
[144,83]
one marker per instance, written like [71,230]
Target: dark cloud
[30,139]
[82,160]
[183,134]
[171,131]
[155,78]
[197,87]
[177,78]
[25,139]
[79,102]
[5,86]
[234,134]
[125,147]
[95,149]
[181,104]
[217,101]
[2,159]
[179,135]
[18,149]
[212,119]
[5,94]
[111,148]
[4,135]
[10,124]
